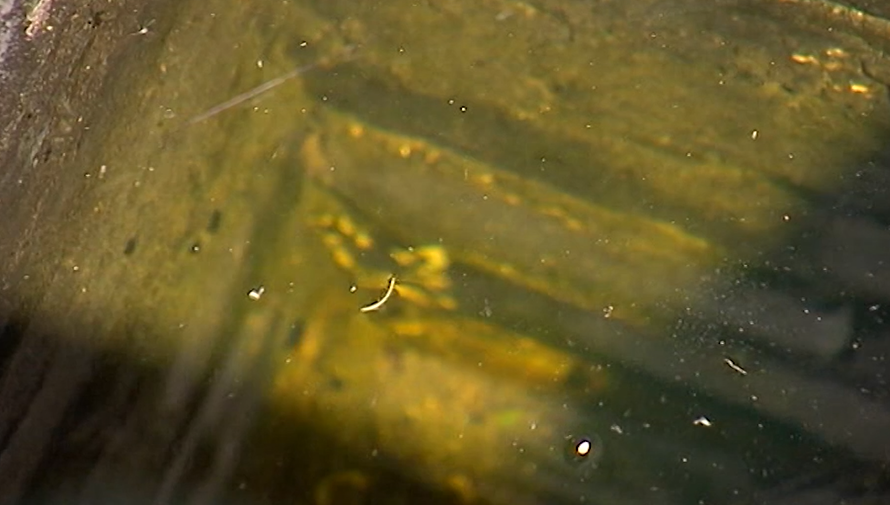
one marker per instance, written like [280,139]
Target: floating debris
[702,421]
[347,54]
[390,287]
[731,364]
[256,293]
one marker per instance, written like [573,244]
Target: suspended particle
[256,293]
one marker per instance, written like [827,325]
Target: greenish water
[598,189]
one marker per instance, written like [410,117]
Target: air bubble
[584,451]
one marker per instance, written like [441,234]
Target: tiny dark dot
[96,20]
[335,383]
[215,221]
[130,246]
[295,335]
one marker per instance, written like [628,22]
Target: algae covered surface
[553,187]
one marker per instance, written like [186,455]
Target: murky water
[651,226]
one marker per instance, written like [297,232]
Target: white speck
[617,429]
[486,309]
[36,18]
[754,134]
[256,293]
[144,29]
[702,421]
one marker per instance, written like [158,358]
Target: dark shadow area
[96,430]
